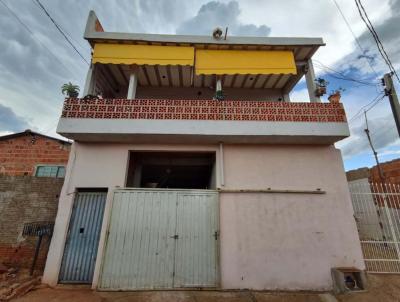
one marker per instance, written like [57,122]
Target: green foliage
[70,90]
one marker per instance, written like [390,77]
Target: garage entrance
[164,229]
[161,238]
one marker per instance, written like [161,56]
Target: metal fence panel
[377,213]
[83,238]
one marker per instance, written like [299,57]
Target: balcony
[202,121]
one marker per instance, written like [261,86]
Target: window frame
[58,166]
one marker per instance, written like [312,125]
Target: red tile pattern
[203,110]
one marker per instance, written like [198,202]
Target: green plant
[321,82]
[70,90]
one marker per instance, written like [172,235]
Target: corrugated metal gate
[377,213]
[83,238]
[161,238]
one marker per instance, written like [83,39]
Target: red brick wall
[391,172]
[20,155]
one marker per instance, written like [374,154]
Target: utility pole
[394,101]
[380,172]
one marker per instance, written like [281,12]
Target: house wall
[20,155]
[190,93]
[268,240]
[25,199]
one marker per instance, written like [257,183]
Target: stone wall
[25,199]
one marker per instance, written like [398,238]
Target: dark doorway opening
[174,170]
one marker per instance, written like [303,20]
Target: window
[50,171]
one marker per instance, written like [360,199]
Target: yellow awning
[244,62]
[142,54]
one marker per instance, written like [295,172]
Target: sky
[35,60]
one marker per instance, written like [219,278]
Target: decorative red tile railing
[203,110]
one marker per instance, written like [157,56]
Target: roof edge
[94,31]
[30,132]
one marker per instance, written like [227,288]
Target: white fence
[377,213]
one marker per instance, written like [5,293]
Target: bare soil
[382,288]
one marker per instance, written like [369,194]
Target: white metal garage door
[162,239]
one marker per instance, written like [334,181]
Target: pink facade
[268,240]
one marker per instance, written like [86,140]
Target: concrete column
[221,164]
[310,80]
[286,97]
[90,81]
[132,85]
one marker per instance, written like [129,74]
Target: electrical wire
[61,31]
[65,31]
[341,76]
[371,105]
[355,37]
[368,23]
[35,38]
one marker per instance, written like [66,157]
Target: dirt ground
[382,288]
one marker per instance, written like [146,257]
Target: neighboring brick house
[390,170]
[32,168]
[31,153]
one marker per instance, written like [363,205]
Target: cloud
[10,122]
[388,32]
[383,134]
[217,14]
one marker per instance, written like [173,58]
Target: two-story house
[194,168]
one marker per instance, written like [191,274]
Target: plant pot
[73,95]
[334,98]
[320,91]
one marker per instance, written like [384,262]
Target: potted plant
[70,90]
[321,86]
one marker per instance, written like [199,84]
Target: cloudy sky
[35,60]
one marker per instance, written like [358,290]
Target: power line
[65,31]
[375,35]
[34,37]
[372,104]
[342,76]
[61,31]
[354,36]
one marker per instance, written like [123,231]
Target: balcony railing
[203,110]
[199,121]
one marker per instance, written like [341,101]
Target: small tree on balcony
[70,90]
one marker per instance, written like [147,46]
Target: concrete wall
[286,241]
[25,199]
[268,241]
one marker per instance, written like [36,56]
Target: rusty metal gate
[377,213]
[83,238]
[160,238]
